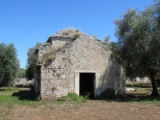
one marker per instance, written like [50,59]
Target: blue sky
[26,22]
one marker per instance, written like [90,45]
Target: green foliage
[31,63]
[156,102]
[32,60]
[7,97]
[114,49]
[21,73]
[74,97]
[106,41]
[138,47]
[9,64]
[139,42]
[111,46]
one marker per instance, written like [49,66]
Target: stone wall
[83,54]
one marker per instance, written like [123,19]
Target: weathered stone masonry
[73,57]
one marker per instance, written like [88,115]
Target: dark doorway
[87,84]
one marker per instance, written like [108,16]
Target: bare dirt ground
[91,110]
[132,107]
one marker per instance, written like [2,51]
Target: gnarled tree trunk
[154,87]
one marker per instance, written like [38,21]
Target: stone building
[71,61]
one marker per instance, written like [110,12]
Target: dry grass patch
[48,56]
[70,32]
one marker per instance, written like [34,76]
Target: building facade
[76,62]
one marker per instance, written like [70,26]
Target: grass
[25,96]
[73,97]
[156,102]
[14,96]
[9,97]
[14,100]
[8,89]
[142,93]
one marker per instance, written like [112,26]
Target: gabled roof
[64,35]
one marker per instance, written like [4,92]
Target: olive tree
[138,46]
[9,64]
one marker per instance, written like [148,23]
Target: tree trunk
[154,87]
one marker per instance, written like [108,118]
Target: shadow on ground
[2,90]
[131,98]
[27,94]
[140,97]
[30,95]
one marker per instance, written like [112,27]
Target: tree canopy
[9,64]
[21,73]
[32,60]
[138,45]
